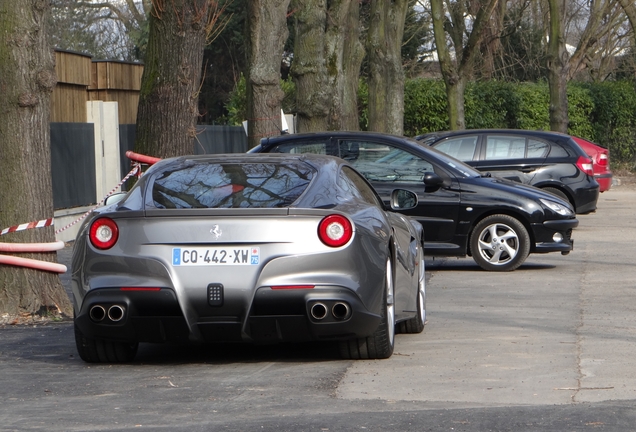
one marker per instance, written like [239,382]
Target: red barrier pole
[141,158]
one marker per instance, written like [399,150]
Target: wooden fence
[82,79]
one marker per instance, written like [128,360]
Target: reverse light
[603,159]
[335,230]
[585,165]
[103,233]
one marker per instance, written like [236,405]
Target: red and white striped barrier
[137,159]
[136,168]
[47,247]
[35,224]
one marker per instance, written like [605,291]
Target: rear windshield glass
[231,185]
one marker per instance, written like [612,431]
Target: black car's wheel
[381,343]
[557,192]
[499,243]
[416,324]
[100,351]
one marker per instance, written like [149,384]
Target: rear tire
[381,343]
[416,324]
[100,351]
[559,193]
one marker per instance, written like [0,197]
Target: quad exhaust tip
[98,313]
[115,313]
[318,311]
[339,311]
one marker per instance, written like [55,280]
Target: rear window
[459,148]
[231,185]
[317,147]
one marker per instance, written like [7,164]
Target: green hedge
[613,117]
[604,113]
[601,112]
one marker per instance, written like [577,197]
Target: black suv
[464,211]
[551,161]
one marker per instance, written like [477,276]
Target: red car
[600,162]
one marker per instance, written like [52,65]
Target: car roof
[268,141]
[317,160]
[538,133]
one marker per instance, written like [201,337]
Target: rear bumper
[604,181]
[585,199]
[274,316]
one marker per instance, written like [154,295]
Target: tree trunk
[630,10]
[344,57]
[456,73]
[386,77]
[455,89]
[326,67]
[27,78]
[309,71]
[168,100]
[266,36]
[557,70]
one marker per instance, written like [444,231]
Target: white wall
[105,115]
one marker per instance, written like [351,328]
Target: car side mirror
[402,199]
[432,181]
[115,198]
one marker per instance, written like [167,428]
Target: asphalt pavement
[549,347]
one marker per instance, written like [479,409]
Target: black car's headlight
[557,208]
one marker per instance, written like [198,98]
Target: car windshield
[231,185]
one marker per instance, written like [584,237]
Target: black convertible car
[463,211]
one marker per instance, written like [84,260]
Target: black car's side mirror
[402,199]
[114,198]
[432,181]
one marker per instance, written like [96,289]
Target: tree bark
[557,70]
[457,72]
[309,70]
[630,10]
[27,78]
[168,100]
[386,77]
[326,67]
[344,52]
[266,36]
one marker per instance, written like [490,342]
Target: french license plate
[202,256]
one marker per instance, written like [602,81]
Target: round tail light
[103,233]
[335,230]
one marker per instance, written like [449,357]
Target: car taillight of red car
[600,162]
